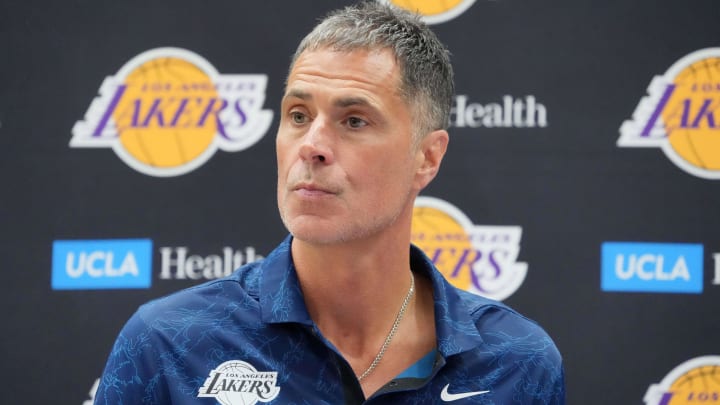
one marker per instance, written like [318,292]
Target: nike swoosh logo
[448,397]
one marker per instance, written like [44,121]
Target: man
[344,311]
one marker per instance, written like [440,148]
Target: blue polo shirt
[248,339]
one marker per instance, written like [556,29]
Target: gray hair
[424,62]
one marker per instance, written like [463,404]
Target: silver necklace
[394,328]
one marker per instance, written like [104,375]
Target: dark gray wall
[567,183]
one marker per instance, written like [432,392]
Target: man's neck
[355,298]
[351,290]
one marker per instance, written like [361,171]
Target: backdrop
[580,186]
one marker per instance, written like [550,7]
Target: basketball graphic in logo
[167,111]
[236,382]
[693,124]
[480,259]
[165,140]
[435,231]
[434,11]
[696,381]
[681,115]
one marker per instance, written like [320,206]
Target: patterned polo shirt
[248,339]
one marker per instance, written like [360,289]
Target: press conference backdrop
[581,185]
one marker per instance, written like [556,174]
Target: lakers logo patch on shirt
[236,382]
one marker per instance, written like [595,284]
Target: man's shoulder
[479,321]
[241,288]
[499,324]
[482,309]
[167,341]
[511,347]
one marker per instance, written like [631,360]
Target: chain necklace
[394,328]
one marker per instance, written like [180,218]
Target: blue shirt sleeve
[133,373]
[528,355]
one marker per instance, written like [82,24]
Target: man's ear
[430,153]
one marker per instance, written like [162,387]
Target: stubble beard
[326,231]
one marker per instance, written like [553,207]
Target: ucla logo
[167,111]
[433,11]
[101,264]
[696,381]
[479,259]
[652,267]
[679,115]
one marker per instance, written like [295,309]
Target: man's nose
[317,143]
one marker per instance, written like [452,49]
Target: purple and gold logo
[679,115]
[168,110]
[696,381]
[480,259]
[434,11]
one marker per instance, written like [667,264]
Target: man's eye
[355,122]
[298,117]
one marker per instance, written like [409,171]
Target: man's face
[346,168]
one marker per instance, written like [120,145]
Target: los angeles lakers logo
[696,381]
[236,382]
[434,11]
[167,111]
[476,258]
[679,115]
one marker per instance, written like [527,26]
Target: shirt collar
[455,329]
[282,301]
[281,298]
